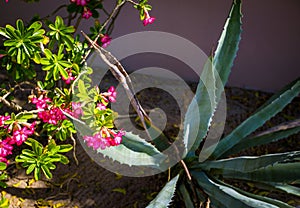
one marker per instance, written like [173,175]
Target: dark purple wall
[269,49]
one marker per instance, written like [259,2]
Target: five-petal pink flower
[105,40]
[86,13]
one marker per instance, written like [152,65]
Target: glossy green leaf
[2,166]
[30,168]
[37,148]
[37,173]
[46,171]
[65,148]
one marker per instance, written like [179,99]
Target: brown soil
[89,185]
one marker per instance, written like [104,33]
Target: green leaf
[125,155]
[261,139]
[3,185]
[58,22]
[248,163]
[222,62]
[228,42]
[202,106]
[81,88]
[257,120]
[164,197]
[223,196]
[64,160]
[289,189]
[2,166]
[25,115]
[120,190]
[30,168]
[63,72]
[37,173]
[3,32]
[281,173]
[46,171]
[20,26]
[186,196]
[37,147]
[137,144]
[258,197]
[65,148]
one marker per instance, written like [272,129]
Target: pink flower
[80,2]
[31,128]
[105,138]
[76,109]
[96,141]
[148,20]
[21,135]
[41,102]
[5,148]
[101,106]
[112,94]
[117,138]
[51,116]
[69,79]
[3,119]
[86,13]
[105,40]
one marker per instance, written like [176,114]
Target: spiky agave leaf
[212,81]
[274,106]
[164,197]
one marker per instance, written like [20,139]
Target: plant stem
[10,104]
[74,149]
[186,170]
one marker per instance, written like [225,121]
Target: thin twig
[74,149]
[121,75]
[12,105]
[111,16]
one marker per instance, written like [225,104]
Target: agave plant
[203,181]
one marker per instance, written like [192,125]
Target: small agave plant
[203,182]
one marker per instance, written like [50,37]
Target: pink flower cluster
[19,136]
[86,11]
[76,110]
[103,139]
[49,113]
[80,2]
[111,95]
